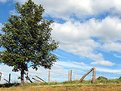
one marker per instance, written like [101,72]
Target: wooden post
[41,79]
[27,78]
[0,76]
[9,78]
[6,80]
[70,75]
[94,75]
[85,75]
[35,79]
[49,75]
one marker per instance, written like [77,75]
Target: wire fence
[56,74]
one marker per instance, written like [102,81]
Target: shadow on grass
[7,85]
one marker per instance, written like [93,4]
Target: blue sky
[88,32]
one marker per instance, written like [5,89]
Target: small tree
[102,79]
[27,39]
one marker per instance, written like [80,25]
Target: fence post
[9,78]
[27,78]
[94,75]
[0,76]
[70,75]
[41,79]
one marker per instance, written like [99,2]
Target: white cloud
[76,37]
[69,64]
[79,8]
[103,62]
[65,9]
[113,71]
[112,46]
[108,29]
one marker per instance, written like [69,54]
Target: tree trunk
[22,76]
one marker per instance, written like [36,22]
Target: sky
[88,32]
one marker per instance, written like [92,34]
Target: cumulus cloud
[77,38]
[103,62]
[108,29]
[78,8]
[112,46]
[113,71]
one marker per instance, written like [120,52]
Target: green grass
[67,83]
[86,85]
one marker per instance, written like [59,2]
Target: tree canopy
[27,39]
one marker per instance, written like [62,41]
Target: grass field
[67,88]
[100,85]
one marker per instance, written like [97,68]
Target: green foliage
[27,39]
[102,79]
[119,78]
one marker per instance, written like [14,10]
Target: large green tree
[27,39]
